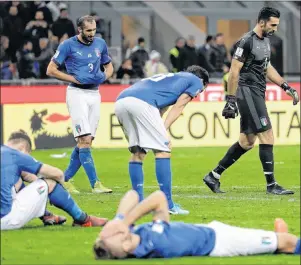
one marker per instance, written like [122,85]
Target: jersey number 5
[158,77]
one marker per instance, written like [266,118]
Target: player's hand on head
[230,110]
[294,94]
[114,227]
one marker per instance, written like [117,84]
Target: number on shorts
[90,65]
[158,77]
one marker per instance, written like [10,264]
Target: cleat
[213,183]
[177,210]
[278,190]
[69,186]
[99,188]
[91,221]
[280,226]
[53,220]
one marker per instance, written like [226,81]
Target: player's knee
[160,154]
[84,141]
[266,137]
[138,153]
[246,144]
[138,157]
[51,185]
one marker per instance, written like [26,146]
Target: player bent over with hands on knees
[83,56]
[139,110]
[18,207]
[246,89]
[161,238]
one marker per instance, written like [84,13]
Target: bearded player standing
[247,85]
[83,56]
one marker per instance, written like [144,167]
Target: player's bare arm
[18,185]
[234,76]
[109,70]
[126,205]
[50,172]
[28,177]
[177,109]
[156,203]
[52,70]
[25,176]
[274,76]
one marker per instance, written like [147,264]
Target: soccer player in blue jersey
[83,56]
[120,239]
[18,207]
[139,110]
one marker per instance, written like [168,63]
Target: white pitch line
[253,186]
[218,197]
[225,197]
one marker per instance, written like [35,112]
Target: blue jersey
[83,61]
[13,163]
[164,90]
[175,239]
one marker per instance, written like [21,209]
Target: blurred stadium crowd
[31,32]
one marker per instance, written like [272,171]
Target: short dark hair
[209,38]
[141,39]
[100,252]
[81,21]
[199,72]
[266,12]
[21,135]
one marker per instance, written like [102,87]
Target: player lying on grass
[164,239]
[17,209]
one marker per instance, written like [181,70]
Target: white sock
[215,175]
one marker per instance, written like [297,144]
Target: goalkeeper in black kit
[246,92]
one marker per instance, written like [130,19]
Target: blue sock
[74,164]
[163,172]
[88,164]
[298,248]
[136,175]
[60,198]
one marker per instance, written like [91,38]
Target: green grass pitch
[245,204]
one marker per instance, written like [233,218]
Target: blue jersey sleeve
[105,58]
[61,53]
[195,87]
[27,163]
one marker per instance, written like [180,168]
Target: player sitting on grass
[17,209]
[48,218]
[165,239]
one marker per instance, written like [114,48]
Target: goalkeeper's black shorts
[254,117]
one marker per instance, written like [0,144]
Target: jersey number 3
[90,65]
[158,77]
